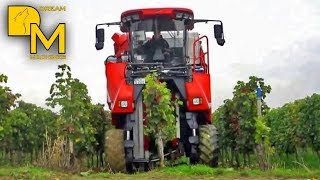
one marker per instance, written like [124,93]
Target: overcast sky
[278,40]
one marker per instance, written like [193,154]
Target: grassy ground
[178,172]
[307,166]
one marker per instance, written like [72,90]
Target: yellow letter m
[59,32]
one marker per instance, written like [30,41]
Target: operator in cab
[157,48]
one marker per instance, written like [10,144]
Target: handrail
[204,64]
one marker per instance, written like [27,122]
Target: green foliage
[7,98]
[74,121]
[100,120]
[27,131]
[3,78]
[296,126]
[262,138]
[25,127]
[262,130]
[291,129]
[285,135]
[310,121]
[17,125]
[43,122]
[7,102]
[160,112]
[236,120]
[159,107]
[24,130]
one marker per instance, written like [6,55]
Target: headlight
[196,101]
[123,104]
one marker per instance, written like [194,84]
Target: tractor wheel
[208,147]
[114,150]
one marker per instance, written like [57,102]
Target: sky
[276,40]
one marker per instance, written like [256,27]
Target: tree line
[70,137]
[248,140]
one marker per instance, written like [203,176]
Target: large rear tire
[208,147]
[114,150]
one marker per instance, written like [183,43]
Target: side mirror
[99,39]
[218,34]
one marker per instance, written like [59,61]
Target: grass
[177,172]
[306,166]
[187,170]
[305,160]
[29,172]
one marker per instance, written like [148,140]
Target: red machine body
[169,12]
[118,89]
[183,63]
[115,71]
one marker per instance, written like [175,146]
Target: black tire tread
[208,147]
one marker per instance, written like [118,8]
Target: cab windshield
[158,40]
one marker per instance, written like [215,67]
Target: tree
[42,124]
[296,126]
[101,122]
[17,137]
[252,127]
[71,96]
[7,102]
[310,122]
[7,98]
[160,112]
[237,122]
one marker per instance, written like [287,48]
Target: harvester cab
[161,40]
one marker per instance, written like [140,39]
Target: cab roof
[156,12]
